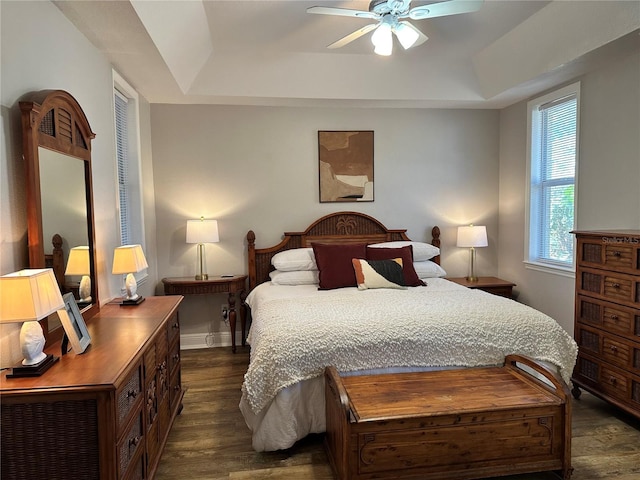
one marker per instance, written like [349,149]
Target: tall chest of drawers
[607,317]
[105,414]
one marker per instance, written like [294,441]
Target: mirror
[57,153]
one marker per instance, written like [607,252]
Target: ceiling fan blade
[353,36]
[421,36]
[441,9]
[344,12]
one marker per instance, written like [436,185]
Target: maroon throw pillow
[411,278]
[334,263]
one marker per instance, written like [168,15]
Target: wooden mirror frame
[54,120]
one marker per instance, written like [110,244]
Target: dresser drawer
[176,390]
[609,316]
[174,356]
[128,395]
[620,253]
[173,328]
[613,381]
[607,379]
[611,348]
[131,444]
[616,287]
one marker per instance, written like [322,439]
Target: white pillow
[299,277]
[428,269]
[295,259]
[421,251]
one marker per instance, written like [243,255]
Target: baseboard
[192,341]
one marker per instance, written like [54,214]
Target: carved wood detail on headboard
[55,260]
[340,227]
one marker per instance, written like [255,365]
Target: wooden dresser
[607,317]
[105,414]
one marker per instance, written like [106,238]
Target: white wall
[608,192]
[42,50]
[257,168]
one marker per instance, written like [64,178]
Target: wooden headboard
[340,227]
[55,260]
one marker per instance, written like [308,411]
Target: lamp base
[472,279]
[33,370]
[128,302]
[203,276]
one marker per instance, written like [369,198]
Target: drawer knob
[613,348]
[176,357]
[134,441]
[615,285]
[617,253]
[613,380]
[614,317]
[132,394]
[175,325]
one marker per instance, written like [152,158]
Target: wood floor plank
[210,441]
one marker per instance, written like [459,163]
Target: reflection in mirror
[64,204]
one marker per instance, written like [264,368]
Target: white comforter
[297,331]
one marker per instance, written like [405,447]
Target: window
[130,211]
[552,162]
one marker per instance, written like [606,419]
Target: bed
[310,320]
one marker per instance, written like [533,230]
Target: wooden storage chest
[449,424]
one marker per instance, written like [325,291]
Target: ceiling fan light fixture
[407,36]
[382,39]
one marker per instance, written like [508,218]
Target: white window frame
[135,233]
[532,260]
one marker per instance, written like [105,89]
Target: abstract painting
[346,166]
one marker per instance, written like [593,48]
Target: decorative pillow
[421,251]
[379,273]
[334,263]
[294,259]
[428,269]
[300,277]
[411,279]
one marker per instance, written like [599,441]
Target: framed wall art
[345,166]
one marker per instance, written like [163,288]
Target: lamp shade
[78,262]
[472,236]
[29,295]
[202,231]
[128,259]
[382,39]
[406,35]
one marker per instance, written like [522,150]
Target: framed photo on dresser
[74,326]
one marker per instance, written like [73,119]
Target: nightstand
[493,285]
[233,285]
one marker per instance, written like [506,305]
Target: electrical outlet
[224,312]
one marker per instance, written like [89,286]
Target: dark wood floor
[210,441]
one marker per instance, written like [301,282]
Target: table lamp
[26,297]
[78,264]
[472,237]
[202,231]
[127,260]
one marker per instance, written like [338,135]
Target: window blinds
[553,181]
[122,148]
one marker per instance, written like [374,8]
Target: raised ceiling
[274,53]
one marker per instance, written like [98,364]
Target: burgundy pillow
[411,278]
[334,263]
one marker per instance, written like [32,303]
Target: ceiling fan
[390,15]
